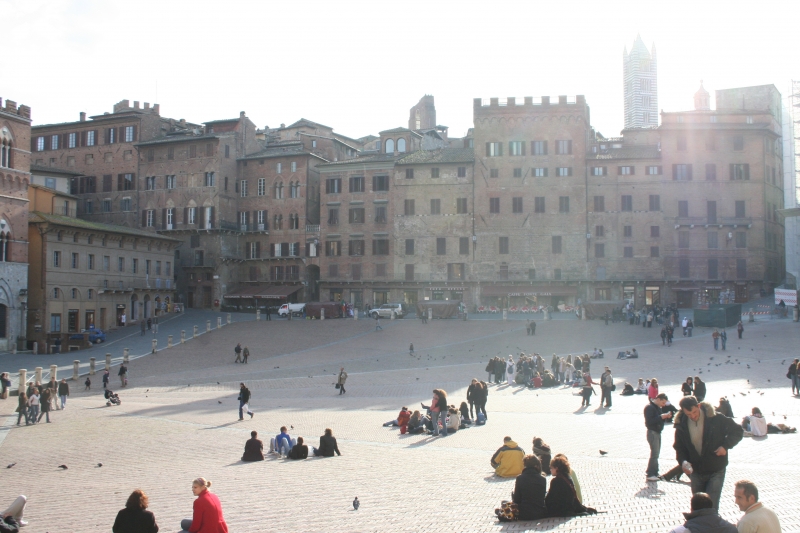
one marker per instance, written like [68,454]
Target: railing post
[228,318]
[23,378]
[126,355]
[54,371]
[76,369]
[194,334]
[108,361]
[208,326]
[183,336]
[37,375]
[169,341]
[155,345]
[92,364]
[219,322]
[322,314]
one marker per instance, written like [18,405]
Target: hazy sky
[359,66]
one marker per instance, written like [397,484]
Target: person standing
[654,422]
[149,324]
[699,389]
[33,405]
[689,327]
[794,370]
[439,411]
[238,352]
[740,329]
[510,370]
[715,336]
[481,395]
[702,440]
[244,401]
[340,381]
[106,376]
[533,327]
[22,408]
[63,392]
[207,516]
[155,325]
[245,354]
[123,375]
[757,518]
[472,395]
[606,383]
[378,322]
[123,320]
[685,324]
[723,337]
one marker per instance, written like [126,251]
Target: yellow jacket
[507,460]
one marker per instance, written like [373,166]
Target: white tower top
[640,76]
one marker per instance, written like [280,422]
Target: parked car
[295,309]
[387,310]
[96,336]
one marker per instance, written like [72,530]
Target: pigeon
[148,390]
[219,401]
[769,381]
[782,362]
[12,464]
[356,503]
[63,467]
[603,452]
[711,358]
[291,427]
[784,417]
[99,465]
[748,366]
[218,381]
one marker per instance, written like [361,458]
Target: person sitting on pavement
[703,518]
[11,519]
[627,390]
[328,445]
[396,421]
[299,450]
[755,424]
[453,419]
[562,498]
[529,493]
[507,460]
[537,381]
[207,511]
[641,387]
[282,443]
[415,424]
[135,518]
[253,448]
[466,420]
[402,420]
[756,518]
[542,451]
[724,407]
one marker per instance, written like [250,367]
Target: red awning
[527,290]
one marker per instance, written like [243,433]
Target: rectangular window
[517,172]
[356,270]
[150,218]
[435,172]
[54,142]
[441,246]
[456,271]
[380,247]
[655,231]
[540,172]
[599,249]
[538,204]
[126,204]
[626,171]
[516,204]
[107,205]
[55,323]
[627,202]
[409,173]
[741,268]
[380,214]
[40,144]
[209,179]
[683,208]
[171,182]
[106,263]
[121,264]
[409,246]
[356,247]
[683,268]
[128,134]
[380,183]
[556,244]
[135,265]
[564,147]
[462,172]
[494,149]
[627,231]
[654,170]
[563,204]
[627,251]
[333,248]
[357,184]
[654,251]
[243,188]
[227,151]
[262,186]
[740,172]
[127,182]
[516,148]
[563,171]
[599,231]
[494,173]
[91,262]
[89,207]
[741,239]
[293,166]
[682,172]
[711,211]
[74,260]
[333,185]
[72,140]
[711,172]
[380,270]
[599,171]
[683,239]
[150,183]
[461,206]
[408,207]
[279,168]
[91,138]
[191,212]
[503,245]
[713,269]
[436,206]
[713,240]
[494,205]
[738,143]
[463,245]
[740,209]
[409,272]
[655,202]
[538,147]
[357,215]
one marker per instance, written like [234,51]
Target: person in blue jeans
[282,443]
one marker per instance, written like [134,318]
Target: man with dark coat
[530,490]
[533,327]
[654,417]
[704,518]
[253,448]
[244,400]
[702,440]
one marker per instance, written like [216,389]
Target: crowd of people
[38,401]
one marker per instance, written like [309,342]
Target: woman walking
[699,389]
[22,408]
[45,405]
[207,516]
[33,404]
[794,368]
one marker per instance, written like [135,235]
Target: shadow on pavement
[650,492]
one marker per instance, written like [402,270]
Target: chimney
[183,122]
[25,111]
[241,114]
[283,125]
[157,109]
[136,104]
[83,116]
[147,105]
[11,105]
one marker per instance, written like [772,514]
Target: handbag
[338,385]
[614,387]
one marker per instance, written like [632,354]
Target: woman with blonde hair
[135,518]
[207,515]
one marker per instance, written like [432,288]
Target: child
[88,383]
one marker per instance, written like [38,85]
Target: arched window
[389,146]
[278,221]
[401,145]
[294,221]
[279,190]
[6,145]
[5,242]
[3,319]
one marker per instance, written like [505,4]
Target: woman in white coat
[510,370]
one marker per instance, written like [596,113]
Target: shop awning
[527,290]
[244,292]
[275,292]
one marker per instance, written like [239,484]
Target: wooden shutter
[488,149]
[211,217]
[120,182]
[238,219]
[83,139]
[308,249]
[144,218]
[247,219]
[284,249]
[185,215]
[523,147]
[121,135]
[675,172]
[201,213]
[569,147]
[134,133]
[272,249]
[164,218]
[747,171]
[258,250]
[689,172]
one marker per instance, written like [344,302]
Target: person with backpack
[244,400]
[606,386]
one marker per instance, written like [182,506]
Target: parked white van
[295,309]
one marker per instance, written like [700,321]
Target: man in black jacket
[244,400]
[654,417]
[702,440]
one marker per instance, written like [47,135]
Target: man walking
[533,327]
[123,375]
[740,328]
[654,421]
[106,376]
[238,351]
[244,401]
[340,381]
[702,440]
[245,354]
[715,336]
[606,382]
[63,392]
[757,518]
[723,337]
[378,323]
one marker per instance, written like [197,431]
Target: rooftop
[441,155]
[39,217]
[373,158]
[637,151]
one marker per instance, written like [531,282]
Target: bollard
[194,334]
[14,346]
[36,348]
[23,378]
[322,314]
[76,369]
[169,341]
[155,345]
[92,362]
[583,313]
[126,355]
[751,317]
[430,313]
[290,313]
[54,371]
[258,315]
[228,318]
[108,361]
[208,326]
[796,314]
[219,322]
[393,316]
[183,336]
[505,314]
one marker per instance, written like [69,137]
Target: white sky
[359,66]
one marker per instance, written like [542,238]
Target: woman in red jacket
[207,515]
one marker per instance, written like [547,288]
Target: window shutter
[523,148]
[164,218]
[488,153]
[185,215]
[201,213]
[308,249]
[120,181]
[258,250]
[238,218]
[747,171]
[247,218]
[144,218]
[121,134]
[569,147]
[633,170]
[83,138]
[689,172]
[674,172]
[569,171]
[284,249]
[134,133]
[255,219]
[272,249]
[545,147]
[731,170]
[211,217]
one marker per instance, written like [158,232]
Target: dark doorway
[312,277]
[685,299]
[3,319]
